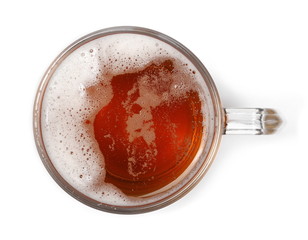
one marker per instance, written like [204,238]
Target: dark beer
[146,147]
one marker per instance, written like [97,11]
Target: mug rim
[206,162]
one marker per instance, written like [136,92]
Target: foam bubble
[68,112]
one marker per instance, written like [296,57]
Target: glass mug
[152,108]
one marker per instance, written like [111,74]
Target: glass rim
[206,162]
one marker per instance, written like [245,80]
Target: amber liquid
[147,147]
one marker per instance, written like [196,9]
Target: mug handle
[251,121]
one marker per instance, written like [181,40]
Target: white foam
[69,140]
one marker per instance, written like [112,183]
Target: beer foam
[68,113]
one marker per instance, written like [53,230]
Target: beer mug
[128,120]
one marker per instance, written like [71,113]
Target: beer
[148,137]
[123,118]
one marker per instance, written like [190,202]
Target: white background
[257,53]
